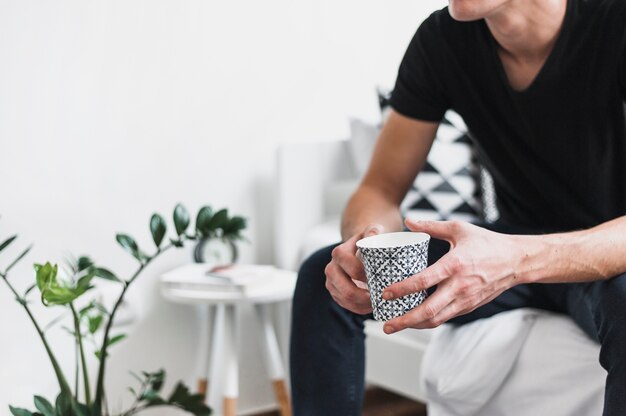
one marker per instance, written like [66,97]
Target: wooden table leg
[282,396]
[273,359]
[231,382]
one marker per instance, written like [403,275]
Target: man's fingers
[347,256]
[345,291]
[423,280]
[442,230]
[426,315]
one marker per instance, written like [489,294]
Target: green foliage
[20,412]
[55,292]
[130,245]
[106,274]
[219,225]
[6,243]
[158,228]
[93,322]
[181,219]
[149,395]
[64,405]
[44,406]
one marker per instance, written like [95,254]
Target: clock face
[215,251]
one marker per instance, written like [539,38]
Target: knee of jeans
[316,262]
[311,276]
[613,295]
[609,299]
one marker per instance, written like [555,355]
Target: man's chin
[469,10]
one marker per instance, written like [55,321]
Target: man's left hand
[480,265]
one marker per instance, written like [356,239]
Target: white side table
[188,285]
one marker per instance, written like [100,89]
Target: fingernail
[388,329]
[387,295]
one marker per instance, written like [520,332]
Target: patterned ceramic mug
[390,258]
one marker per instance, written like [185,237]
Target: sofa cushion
[518,363]
[447,187]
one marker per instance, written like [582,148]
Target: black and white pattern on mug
[385,266]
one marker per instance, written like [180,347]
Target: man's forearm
[368,206]
[595,254]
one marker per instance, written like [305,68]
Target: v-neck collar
[548,63]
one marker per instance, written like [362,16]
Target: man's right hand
[345,273]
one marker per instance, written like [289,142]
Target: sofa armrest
[304,172]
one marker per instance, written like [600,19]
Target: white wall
[112,109]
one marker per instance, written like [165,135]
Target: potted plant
[92,322]
[220,233]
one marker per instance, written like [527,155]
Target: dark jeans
[327,355]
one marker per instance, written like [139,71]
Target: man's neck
[527,29]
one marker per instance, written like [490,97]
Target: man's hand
[480,265]
[345,273]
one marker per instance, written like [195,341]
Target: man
[541,85]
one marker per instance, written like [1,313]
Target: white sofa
[519,363]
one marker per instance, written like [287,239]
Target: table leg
[207,319]
[273,359]
[231,382]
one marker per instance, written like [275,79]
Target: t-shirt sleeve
[419,92]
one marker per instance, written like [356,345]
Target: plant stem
[77,368]
[64,386]
[79,339]
[97,408]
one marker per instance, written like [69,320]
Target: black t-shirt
[557,150]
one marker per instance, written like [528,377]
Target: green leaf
[101,308]
[233,227]
[83,311]
[114,340]
[55,293]
[44,406]
[63,405]
[136,377]
[44,274]
[152,397]
[84,282]
[156,380]
[202,219]
[83,263]
[130,245]
[106,274]
[7,242]
[30,288]
[219,220]
[20,257]
[176,243]
[82,410]
[181,219]
[192,403]
[19,412]
[158,228]
[94,323]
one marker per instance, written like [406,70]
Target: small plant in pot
[220,234]
[70,288]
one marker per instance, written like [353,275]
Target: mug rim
[393,240]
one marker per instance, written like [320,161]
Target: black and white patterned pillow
[450,186]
